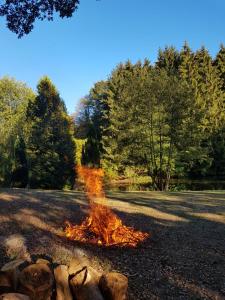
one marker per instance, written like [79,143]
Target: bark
[62,283]
[78,264]
[36,280]
[114,286]
[84,280]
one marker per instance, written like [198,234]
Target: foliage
[21,14]
[14,98]
[164,119]
[50,145]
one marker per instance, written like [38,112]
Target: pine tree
[120,137]
[219,63]
[169,60]
[218,138]
[187,66]
[198,71]
[50,146]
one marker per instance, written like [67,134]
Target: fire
[102,226]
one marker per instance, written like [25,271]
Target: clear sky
[77,52]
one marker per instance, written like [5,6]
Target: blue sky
[77,52]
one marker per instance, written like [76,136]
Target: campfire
[102,226]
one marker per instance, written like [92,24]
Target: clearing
[183,259]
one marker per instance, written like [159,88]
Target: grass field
[184,258]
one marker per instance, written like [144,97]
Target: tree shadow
[183,258]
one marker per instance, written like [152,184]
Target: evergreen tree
[218,137]
[220,64]
[20,172]
[168,59]
[50,145]
[120,138]
[198,71]
[187,67]
[166,120]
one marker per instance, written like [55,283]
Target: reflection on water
[175,185]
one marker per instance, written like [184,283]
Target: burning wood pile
[102,226]
[41,280]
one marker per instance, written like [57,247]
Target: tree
[168,59]
[89,123]
[218,138]
[165,119]
[146,111]
[166,111]
[50,147]
[21,14]
[198,71]
[220,64]
[14,99]
[120,114]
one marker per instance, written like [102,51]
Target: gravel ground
[184,258]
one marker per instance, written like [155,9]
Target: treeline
[37,146]
[162,120]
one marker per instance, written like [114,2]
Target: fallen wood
[62,283]
[36,281]
[84,279]
[20,280]
[14,296]
[84,286]
[78,264]
[114,286]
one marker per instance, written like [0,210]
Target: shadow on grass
[184,258]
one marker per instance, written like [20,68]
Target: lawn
[184,258]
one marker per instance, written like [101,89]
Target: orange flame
[102,226]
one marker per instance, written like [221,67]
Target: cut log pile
[42,280]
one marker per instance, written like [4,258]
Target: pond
[175,185]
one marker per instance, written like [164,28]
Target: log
[36,281]
[84,286]
[62,283]
[114,286]
[12,271]
[84,279]
[14,296]
[78,264]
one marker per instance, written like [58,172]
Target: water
[175,185]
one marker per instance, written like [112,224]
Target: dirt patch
[183,259]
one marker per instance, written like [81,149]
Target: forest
[163,120]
